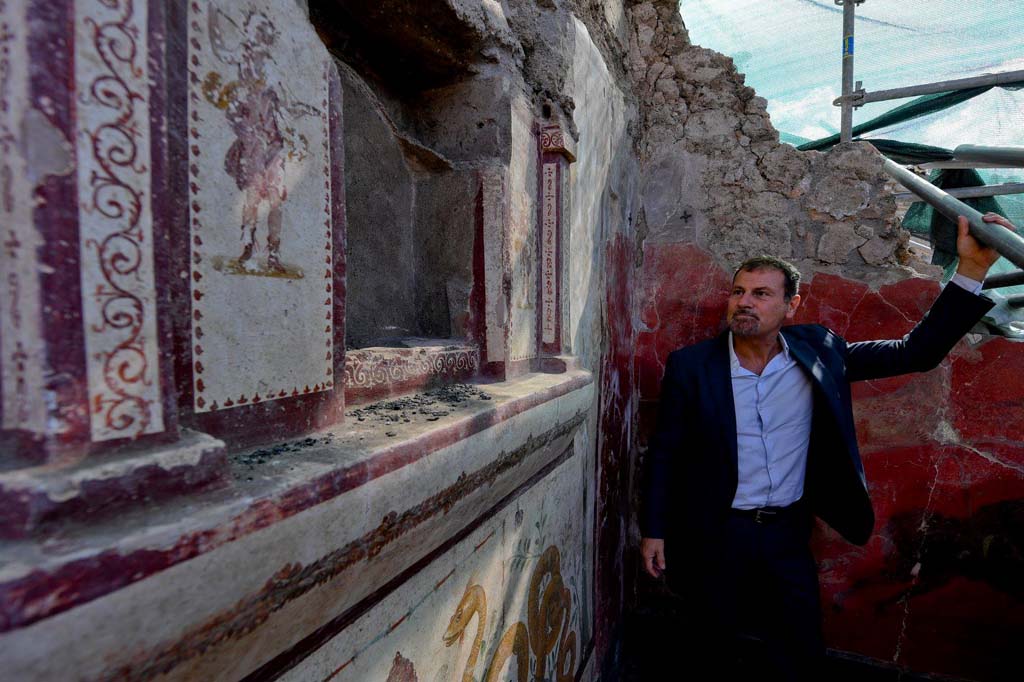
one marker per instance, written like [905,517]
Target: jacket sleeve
[952,315]
[664,445]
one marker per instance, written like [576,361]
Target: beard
[741,324]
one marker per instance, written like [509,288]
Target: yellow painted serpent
[549,607]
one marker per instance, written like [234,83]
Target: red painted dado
[938,586]
[618,418]
[682,299]
[990,385]
[828,300]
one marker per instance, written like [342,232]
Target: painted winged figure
[255,109]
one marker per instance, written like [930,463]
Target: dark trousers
[757,616]
[775,599]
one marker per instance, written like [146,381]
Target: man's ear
[794,303]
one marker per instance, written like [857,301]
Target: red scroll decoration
[115,222]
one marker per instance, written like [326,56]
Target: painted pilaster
[23,406]
[115,219]
[555,157]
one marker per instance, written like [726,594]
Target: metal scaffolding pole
[972,192]
[861,97]
[846,117]
[1008,244]
[1016,301]
[935,165]
[1009,157]
[1006,279]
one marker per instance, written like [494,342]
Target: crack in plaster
[946,434]
[923,529]
[993,459]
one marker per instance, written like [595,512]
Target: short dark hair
[788,270]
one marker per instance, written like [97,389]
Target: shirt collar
[734,361]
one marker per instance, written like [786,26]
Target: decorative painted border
[115,219]
[548,273]
[374,372]
[22,376]
[202,402]
[552,141]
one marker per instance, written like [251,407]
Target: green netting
[927,104]
[908,152]
[923,220]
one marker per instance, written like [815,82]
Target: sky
[790,51]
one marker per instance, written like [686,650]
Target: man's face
[757,304]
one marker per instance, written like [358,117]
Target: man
[755,436]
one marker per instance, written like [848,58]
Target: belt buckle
[762,515]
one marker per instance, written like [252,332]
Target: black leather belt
[771,514]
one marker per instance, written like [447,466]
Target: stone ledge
[40,582]
[33,498]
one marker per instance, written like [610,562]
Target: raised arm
[952,315]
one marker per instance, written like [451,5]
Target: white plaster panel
[457,618]
[144,618]
[22,362]
[600,117]
[492,182]
[522,234]
[115,218]
[260,208]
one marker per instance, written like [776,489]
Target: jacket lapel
[825,383]
[719,383]
[811,362]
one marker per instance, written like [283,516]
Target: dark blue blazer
[691,461]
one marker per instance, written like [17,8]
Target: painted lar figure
[253,108]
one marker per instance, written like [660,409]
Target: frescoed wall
[227,454]
[200,476]
[510,601]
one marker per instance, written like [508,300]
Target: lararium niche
[411,229]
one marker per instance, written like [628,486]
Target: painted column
[492,272]
[555,157]
[84,357]
[86,350]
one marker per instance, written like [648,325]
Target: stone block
[40,499]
